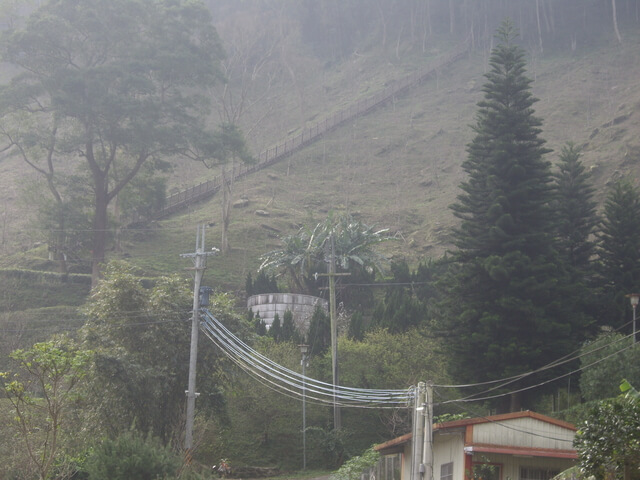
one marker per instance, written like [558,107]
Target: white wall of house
[518,446]
[510,465]
[543,434]
[448,447]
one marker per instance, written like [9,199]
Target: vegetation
[607,360]
[620,250]
[508,271]
[43,397]
[132,456]
[534,243]
[304,255]
[117,85]
[353,468]
[608,440]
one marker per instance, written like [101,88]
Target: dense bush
[132,456]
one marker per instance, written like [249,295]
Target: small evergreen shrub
[353,468]
[132,456]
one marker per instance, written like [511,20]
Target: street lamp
[304,349]
[634,298]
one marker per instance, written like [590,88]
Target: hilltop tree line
[334,28]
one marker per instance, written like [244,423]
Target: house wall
[510,465]
[512,433]
[406,462]
[449,447]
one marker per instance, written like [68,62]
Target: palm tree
[305,253]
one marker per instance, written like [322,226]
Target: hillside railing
[183,199]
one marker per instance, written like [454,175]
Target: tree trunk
[99,231]
[451,17]
[227,198]
[59,250]
[515,402]
[615,21]
[539,26]
[384,25]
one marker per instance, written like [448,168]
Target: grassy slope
[398,167]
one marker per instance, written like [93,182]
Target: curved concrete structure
[302,307]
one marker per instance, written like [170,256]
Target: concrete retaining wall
[301,306]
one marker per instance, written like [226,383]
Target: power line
[491,397]
[292,382]
[560,361]
[509,427]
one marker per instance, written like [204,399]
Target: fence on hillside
[183,199]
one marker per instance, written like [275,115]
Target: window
[446,471]
[536,473]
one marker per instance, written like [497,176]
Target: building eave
[520,451]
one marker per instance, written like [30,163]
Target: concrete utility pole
[337,421]
[200,263]
[418,430]
[422,446]
[427,451]
[304,349]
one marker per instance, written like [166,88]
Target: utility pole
[200,263]
[427,451]
[418,431]
[337,421]
[304,349]
[422,446]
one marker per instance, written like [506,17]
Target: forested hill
[100,122]
[289,65]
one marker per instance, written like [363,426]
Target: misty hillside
[398,166]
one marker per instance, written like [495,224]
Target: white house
[514,446]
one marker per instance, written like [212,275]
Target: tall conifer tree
[577,220]
[620,252]
[504,308]
[576,210]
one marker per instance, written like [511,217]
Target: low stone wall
[301,306]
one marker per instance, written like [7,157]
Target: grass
[398,167]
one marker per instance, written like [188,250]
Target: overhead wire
[510,427]
[545,382]
[576,354]
[274,386]
[252,358]
[255,362]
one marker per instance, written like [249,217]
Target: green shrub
[132,456]
[353,468]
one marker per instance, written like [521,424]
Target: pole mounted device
[199,258]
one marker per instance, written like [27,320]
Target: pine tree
[399,310]
[576,210]
[319,336]
[577,220]
[248,285]
[620,252]
[356,327]
[275,331]
[504,306]
[288,331]
[259,325]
